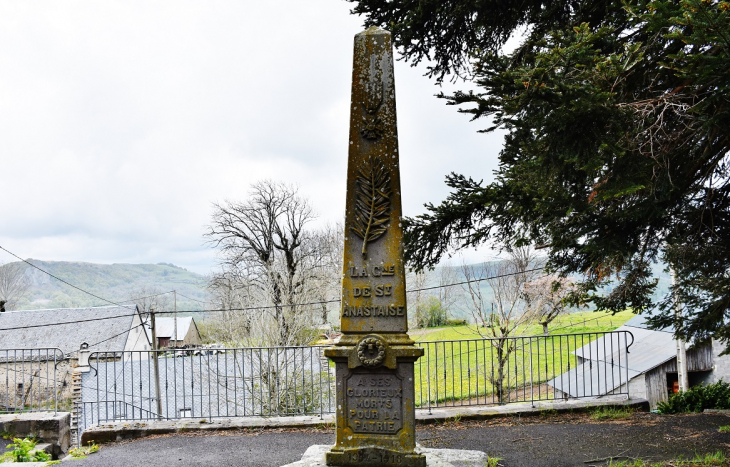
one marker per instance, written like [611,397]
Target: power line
[193,299]
[149,296]
[253,308]
[321,302]
[59,279]
[112,337]
[498,276]
[31,326]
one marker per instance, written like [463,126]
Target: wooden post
[174,332]
[156,363]
[682,375]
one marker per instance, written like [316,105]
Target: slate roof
[606,364]
[90,325]
[166,327]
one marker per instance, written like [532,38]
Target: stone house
[39,348]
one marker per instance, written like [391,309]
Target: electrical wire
[148,296]
[321,302]
[195,300]
[59,279]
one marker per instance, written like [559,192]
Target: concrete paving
[545,440]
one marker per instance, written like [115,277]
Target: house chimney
[84,354]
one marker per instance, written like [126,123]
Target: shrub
[430,313]
[698,398]
[455,322]
[23,450]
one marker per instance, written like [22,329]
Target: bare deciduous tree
[272,261]
[448,293]
[545,297]
[500,313]
[14,283]
[233,294]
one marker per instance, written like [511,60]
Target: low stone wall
[51,428]
[117,431]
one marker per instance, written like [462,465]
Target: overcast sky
[122,121]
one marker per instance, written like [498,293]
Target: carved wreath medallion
[371,351]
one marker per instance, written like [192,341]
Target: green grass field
[460,365]
[588,321]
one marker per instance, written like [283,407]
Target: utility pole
[155,362]
[175,318]
[682,375]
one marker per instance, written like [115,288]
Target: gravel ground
[557,440]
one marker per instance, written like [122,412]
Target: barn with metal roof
[187,332]
[649,366]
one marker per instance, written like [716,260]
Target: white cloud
[123,121]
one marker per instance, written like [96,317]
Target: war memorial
[374,359]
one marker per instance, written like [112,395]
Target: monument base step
[315,457]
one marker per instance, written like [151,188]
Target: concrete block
[49,428]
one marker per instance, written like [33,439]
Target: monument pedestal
[375,401]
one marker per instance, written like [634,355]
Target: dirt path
[556,440]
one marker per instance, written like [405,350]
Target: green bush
[23,450]
[698,398]
[431,313]
[455,322]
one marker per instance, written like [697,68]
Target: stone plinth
[46,427]
[315,457]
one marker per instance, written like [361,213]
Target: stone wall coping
[117,431]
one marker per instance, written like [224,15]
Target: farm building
[650,366]
[187,332]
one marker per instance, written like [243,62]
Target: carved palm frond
[372,202]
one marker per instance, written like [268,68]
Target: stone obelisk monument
[374,358]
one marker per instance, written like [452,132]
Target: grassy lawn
[569,324]
[717,459]
[459,365]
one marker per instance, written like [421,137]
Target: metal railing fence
[30,380]
[207,383]
[522,369]
[281,381]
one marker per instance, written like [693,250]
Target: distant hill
[115,282]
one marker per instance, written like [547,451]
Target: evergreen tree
[616,154]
